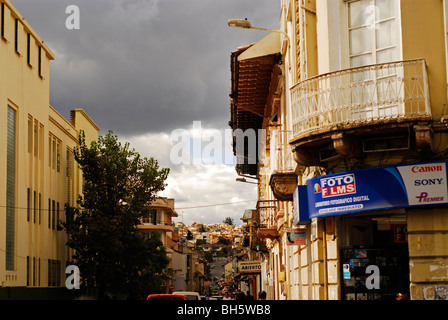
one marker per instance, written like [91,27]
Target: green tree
[228,221]
[108,249]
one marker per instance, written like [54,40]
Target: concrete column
[428,253]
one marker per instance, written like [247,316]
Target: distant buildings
[158,217]
[186,271]
[189,262]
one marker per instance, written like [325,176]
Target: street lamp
[244,180]
[246,24]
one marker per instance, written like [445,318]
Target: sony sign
[425,183]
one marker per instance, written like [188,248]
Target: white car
[189,295]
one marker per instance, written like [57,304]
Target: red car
[166,296]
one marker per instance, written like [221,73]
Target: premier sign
[378,188]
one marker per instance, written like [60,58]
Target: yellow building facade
[38,171]
[348,86]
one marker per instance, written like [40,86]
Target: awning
[269,45]
[255,72]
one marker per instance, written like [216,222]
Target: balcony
[283,185]
[370,99]
[166,227]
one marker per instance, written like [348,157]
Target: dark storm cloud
[140,66]
[143,68]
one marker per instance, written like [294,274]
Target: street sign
[250,267]
[295,236]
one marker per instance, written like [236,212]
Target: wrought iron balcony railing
[396,91]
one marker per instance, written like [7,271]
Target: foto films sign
[378,188]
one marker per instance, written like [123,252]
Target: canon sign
[427,168]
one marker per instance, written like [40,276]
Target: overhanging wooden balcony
[283,185]
[336,107]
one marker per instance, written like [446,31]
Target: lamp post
[244,180]
[246,24]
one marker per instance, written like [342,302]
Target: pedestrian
[262,295]
[240,296]
[227,296]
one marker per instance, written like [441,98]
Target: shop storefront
[249,281]
[370,209]
[374,260]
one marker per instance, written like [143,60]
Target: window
[69,155]
[53,209]
[30,134]
[54,273]
[36,138]
[34,206]
[40,61]
[58,157]
[54,155]
[49,213]
[10,188]
[147,235]
[16,35]
[40,208]
[38,271]
[34,271]
[150,217]
[28,204]
[373,32]
[2,27]
[41,141]
[50,273]
[28,49]
[49,150]
[27,271]
[57,215]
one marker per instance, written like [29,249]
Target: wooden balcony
[283,185]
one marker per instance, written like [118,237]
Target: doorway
[375,261]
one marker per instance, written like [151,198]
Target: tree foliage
[108,249]
[228,220]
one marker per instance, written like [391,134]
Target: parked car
[164,296]
[189,295]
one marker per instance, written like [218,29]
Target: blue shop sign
[300,203]
[378,188]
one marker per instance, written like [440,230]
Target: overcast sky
[148,69]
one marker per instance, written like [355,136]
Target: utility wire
[183,208]
[214,205]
